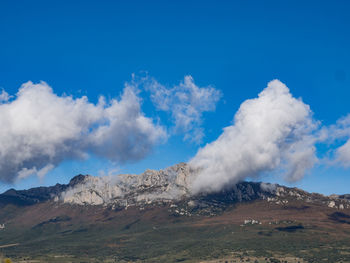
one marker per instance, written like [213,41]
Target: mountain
[168,186]
[154,217]
[38,194]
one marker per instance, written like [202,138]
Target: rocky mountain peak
[169,186]
[152,185]
[78,179]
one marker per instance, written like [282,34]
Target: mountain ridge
[257,220]
[169,186]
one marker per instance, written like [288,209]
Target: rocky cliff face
[130,189]
[170,187]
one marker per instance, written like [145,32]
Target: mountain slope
[154,217]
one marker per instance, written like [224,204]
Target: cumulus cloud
[271,132]
[186,103]
[340,132]
[40,129]
[127,134]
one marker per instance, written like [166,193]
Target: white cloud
[25,172]
[40,129]
[340,131]
[186,103]
[4,96]
[127,134]
[273,131]
[343,155]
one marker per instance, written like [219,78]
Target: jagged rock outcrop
[171,187]
[130,189]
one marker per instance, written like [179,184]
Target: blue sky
[91,48]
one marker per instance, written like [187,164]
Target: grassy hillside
[296,232]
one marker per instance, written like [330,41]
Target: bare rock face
[170,187]
[129,189]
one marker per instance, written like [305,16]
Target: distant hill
[153,217]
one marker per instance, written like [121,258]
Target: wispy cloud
[339,132]
[186,104]
[4,96]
